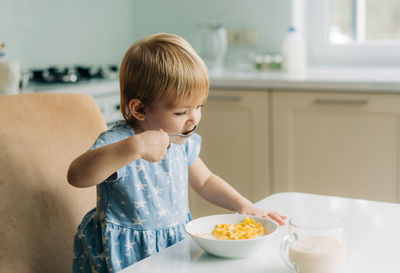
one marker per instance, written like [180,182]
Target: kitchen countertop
[370,232]
[355,79]
[362,79]
[95,87]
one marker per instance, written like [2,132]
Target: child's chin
[179,140]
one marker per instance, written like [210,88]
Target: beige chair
[40,134]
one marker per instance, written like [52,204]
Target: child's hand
[256,211]
[151,145]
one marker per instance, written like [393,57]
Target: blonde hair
[161,66]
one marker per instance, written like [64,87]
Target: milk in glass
[317,254]
[314,243]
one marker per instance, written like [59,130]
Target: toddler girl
[141,178]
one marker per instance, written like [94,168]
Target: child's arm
[95,166]
[219,192]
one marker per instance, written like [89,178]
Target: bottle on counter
[293,52]
[10,74]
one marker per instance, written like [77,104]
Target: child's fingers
[277,217]
[165,133]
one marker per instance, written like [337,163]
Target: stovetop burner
[73,74]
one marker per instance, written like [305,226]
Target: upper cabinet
[337,143]
[235,144]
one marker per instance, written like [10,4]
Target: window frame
[322,52]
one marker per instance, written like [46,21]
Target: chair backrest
[40,134]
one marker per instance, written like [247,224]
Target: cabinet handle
[342,101]
[224,98]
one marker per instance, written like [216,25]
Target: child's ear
[136,107]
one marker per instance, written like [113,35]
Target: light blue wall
[40,33]
[270,18]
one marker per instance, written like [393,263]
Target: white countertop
[95,87]
[354,79]
[371,233]
[321,78]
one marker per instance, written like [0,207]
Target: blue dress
[141,209]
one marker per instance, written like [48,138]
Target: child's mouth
[180,138]
[188,132]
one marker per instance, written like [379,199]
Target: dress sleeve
[193,146]
[105,138]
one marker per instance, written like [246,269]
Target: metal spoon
[180,138]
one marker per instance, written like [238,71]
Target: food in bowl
[201,231]
[247,229]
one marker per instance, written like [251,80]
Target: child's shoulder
[120,128]
[119,131]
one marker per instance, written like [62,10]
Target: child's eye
[180,113]
[200,106]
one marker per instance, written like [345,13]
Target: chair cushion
[40,134]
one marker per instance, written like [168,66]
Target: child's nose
[194,117]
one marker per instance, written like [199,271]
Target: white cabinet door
[337,143]
[234,130]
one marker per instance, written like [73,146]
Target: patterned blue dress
[141,209]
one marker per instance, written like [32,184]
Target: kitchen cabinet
[235,144]
[336,143]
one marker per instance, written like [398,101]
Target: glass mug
[314,245]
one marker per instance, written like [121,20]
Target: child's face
[177,119]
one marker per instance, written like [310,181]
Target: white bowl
[229,248]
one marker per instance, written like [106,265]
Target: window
[364,20]
[353,32]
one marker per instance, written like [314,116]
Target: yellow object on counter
[247,229]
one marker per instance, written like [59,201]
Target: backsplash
[269,18]
[43,33]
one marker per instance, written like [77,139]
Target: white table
[371,233]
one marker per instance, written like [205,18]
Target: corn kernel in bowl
[247,229]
